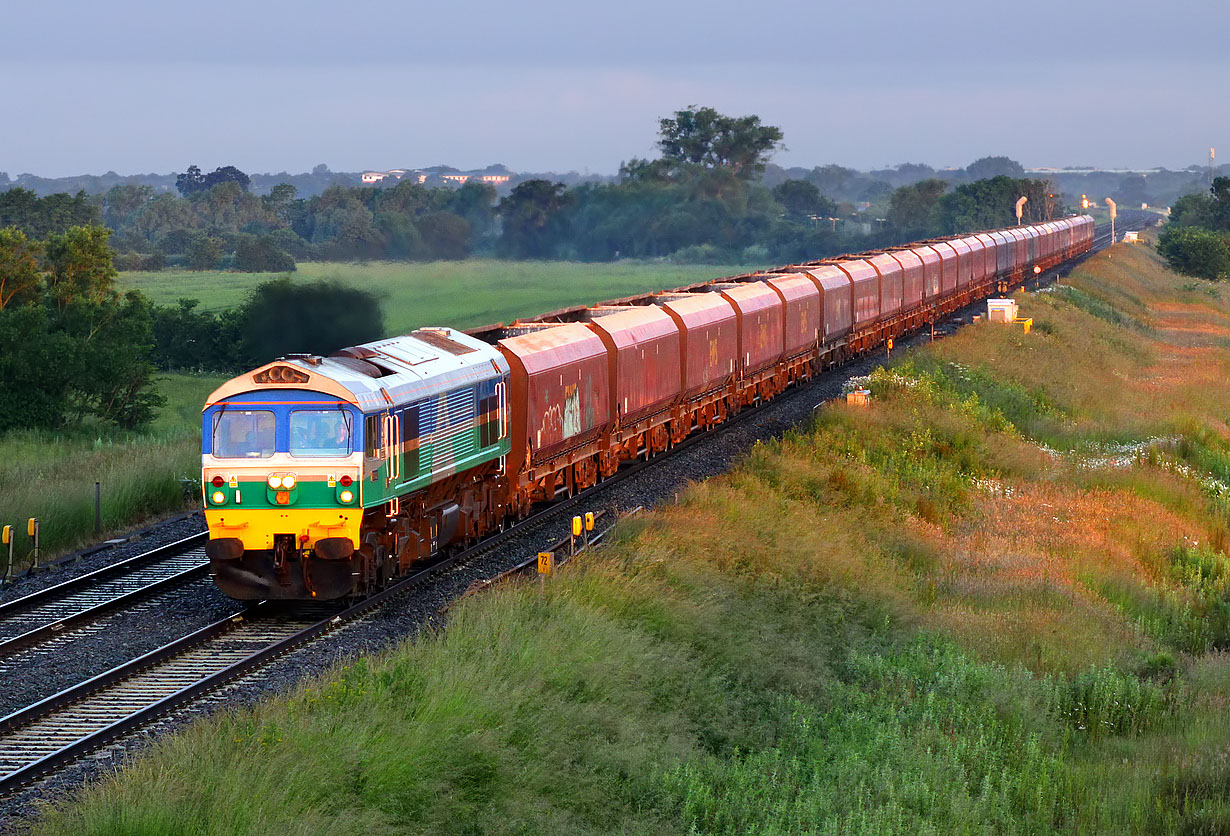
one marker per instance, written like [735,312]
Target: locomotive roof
[396,370]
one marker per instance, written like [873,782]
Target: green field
[461,294]
[51,475]
[991,602]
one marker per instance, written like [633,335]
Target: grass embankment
[51,475]
[992,602]
[461,294]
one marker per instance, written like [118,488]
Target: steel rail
[49,612]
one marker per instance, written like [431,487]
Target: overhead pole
[1113,212]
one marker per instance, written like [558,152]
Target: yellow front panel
[255,527]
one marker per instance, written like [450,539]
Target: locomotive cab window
[319,433]
[371,436]
[243,434]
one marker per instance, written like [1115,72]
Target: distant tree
[21,279]
[444,235]
[261,255]
[190,182]
[79,265]
[281,317]
[912,209]
[1132,189]
[985,168]
[1194,251]
[280,202]
[39,217]
[193,181]
[1220,208]
[203,252]
[226,174]
[122,204]
[1193,210]
[531,216]
[702,136]
[800,197]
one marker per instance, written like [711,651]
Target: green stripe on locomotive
[310,493]
[440,436]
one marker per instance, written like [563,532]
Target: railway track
[56,611]
[47,735]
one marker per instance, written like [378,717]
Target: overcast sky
[141,86]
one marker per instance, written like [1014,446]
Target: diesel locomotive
[325,477]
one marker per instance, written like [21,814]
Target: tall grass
[51,475]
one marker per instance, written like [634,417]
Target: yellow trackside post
[576,532]
[546,565]
[6,537]
[589,526]
[32,532]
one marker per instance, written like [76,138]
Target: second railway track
[57,610]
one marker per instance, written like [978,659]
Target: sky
[274,85]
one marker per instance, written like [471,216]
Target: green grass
[461,294]
[904,619]
[51,475]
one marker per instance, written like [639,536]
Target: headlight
[288,482]
[346,496]
[275,482]
[219,498]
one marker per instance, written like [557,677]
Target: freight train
[325,477]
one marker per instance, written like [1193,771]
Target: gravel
[176,613]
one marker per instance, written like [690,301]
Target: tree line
[72,348]
[1196,242]
[703,199]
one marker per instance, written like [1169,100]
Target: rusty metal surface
[990,252]
[948,267]
[802,310]
[913,278]
[1019,250]
[963,262]
[892,283]
[932,270]
[759,310]
[836,300]
[1004,253]
[975,268]
[560,386]
[866,290]
[710,339]
[645,359]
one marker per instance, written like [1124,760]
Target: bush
[261,255]
[700,254]
[281,317]
[1195,252]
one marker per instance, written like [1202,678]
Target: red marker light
[346,480]
[217,481]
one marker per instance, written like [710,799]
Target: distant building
[459,179]
[373,176]
[493,179]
